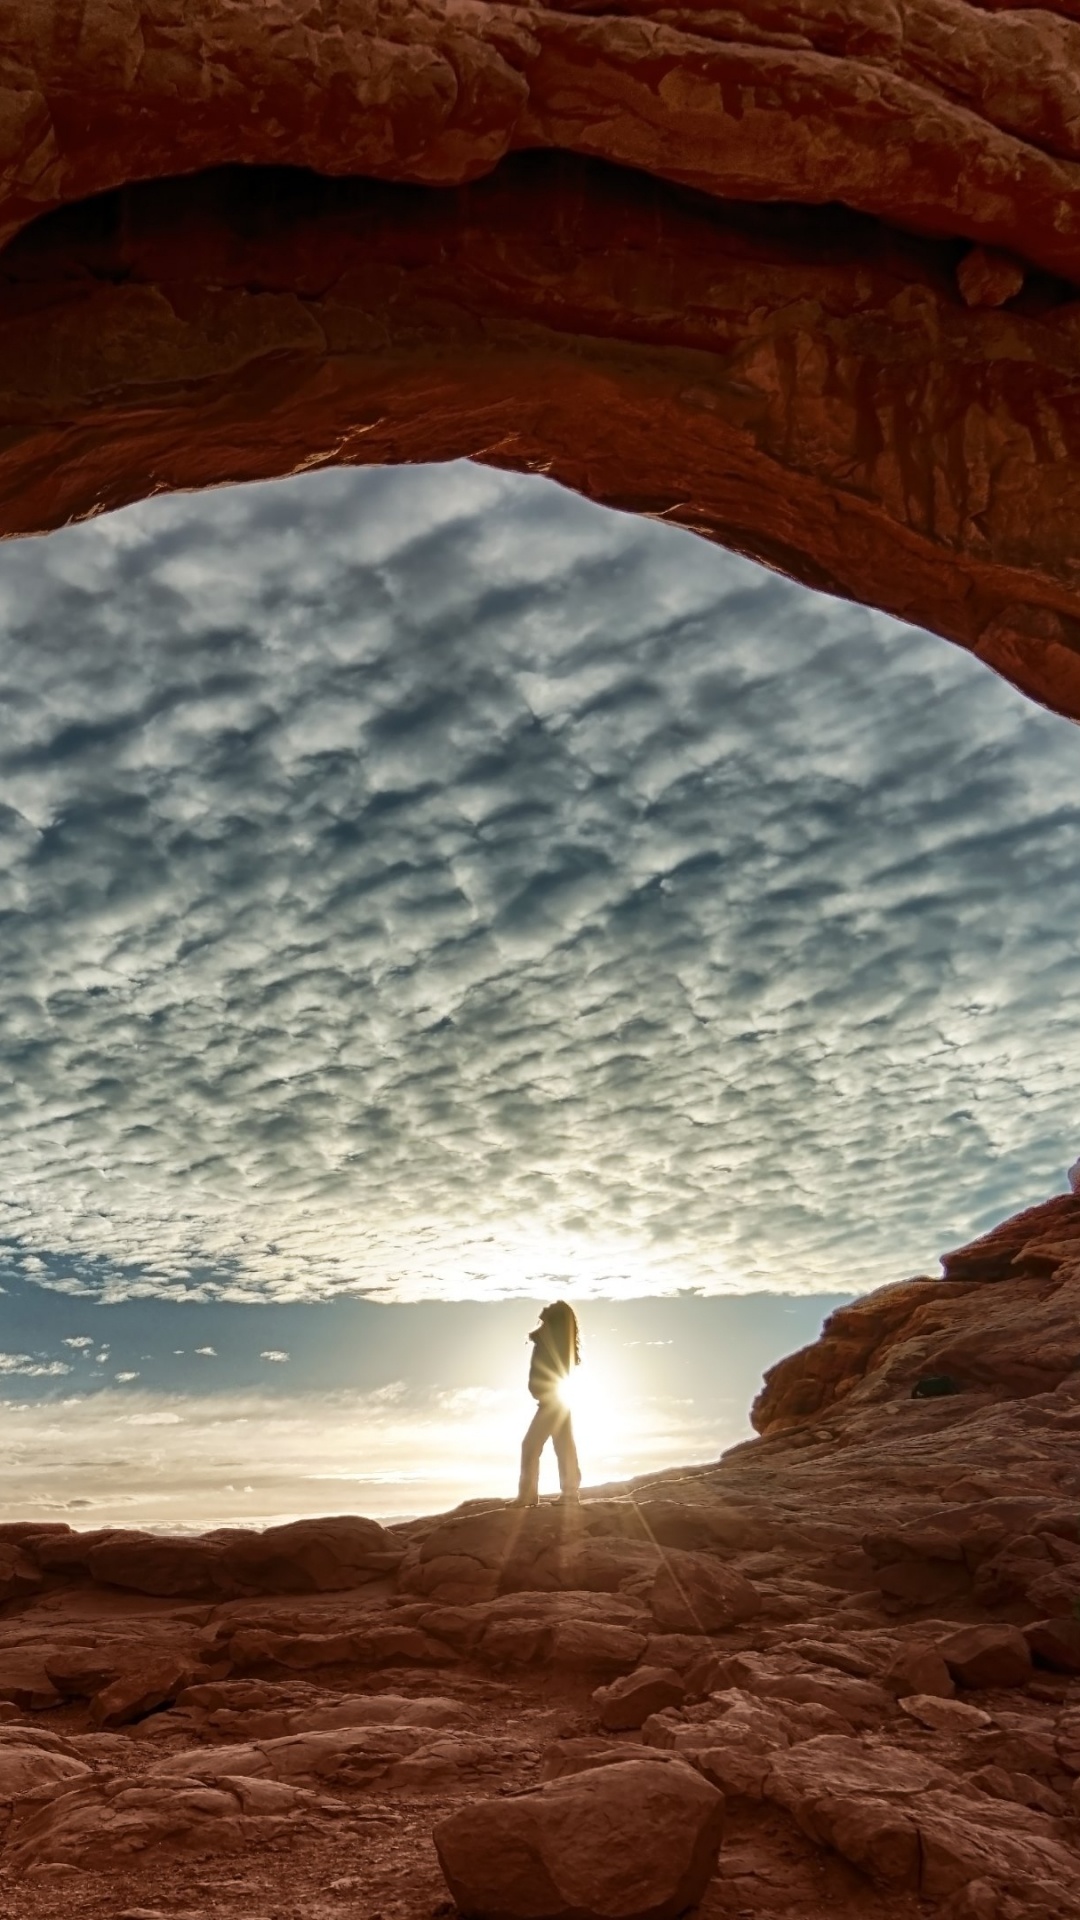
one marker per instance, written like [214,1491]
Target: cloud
[33,1368]
[431,886]
[66,1284]
[125,1376]
[209,1352]
[275,1354]
[81,1341]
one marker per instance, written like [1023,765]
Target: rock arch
[798,274]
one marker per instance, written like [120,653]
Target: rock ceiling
[798,274]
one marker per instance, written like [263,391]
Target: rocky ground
[852,1645]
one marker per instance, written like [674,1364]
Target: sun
[599,1417]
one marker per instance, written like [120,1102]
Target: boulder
[919,1670]
[1055,1644]
[19,1574]
[24,1681]
[311,1556]
[944,1716]
[141,1689]
[162,1565]
[691,1593]
[63,1550]
[628,1702]
[630,1842]
[1022,1789]
[80,1672]
[990,1656]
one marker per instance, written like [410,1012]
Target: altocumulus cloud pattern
[423,883]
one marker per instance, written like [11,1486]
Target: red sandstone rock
[920,1670]
[628,1702]
[582,1755]
[631,1842]
[82,1671]
[898,1819]
[877,1349]
[818,393]
[1055,1644]
[107,1824]
[1019,1788]
[588,1646]
[991,1656]
[310,1556]
[987,278]
[999,1254]
[431,94]
[19,1576]
[691,1594]
[806,1383]
[346,1755]
[31,1765]
[706,1528]
[944,1716]
[25,1682]
[148,1564]
[139,1690]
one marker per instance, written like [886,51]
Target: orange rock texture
[954,1328]
[801,276]
[839,1668]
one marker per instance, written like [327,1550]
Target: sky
[423,893]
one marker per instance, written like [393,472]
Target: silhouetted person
[556,1351]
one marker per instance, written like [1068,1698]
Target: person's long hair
[560,1325]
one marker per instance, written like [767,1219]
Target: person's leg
[539,1433]
[566,1453]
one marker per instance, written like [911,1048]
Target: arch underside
[801,379]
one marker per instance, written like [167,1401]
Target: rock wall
[801,277]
